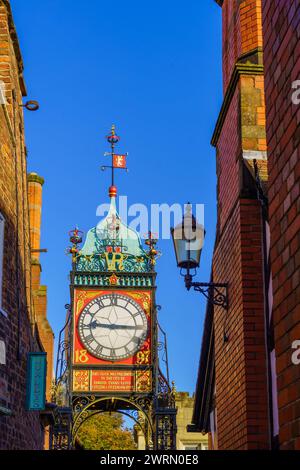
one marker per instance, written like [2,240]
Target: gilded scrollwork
[143,357]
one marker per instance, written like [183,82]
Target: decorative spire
[153,253]
[118,161]
[75,238]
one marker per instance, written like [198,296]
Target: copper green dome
[112,246]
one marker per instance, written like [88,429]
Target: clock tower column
[113,362]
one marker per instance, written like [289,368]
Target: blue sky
[153,69]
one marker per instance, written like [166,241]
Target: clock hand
[115,327]
[94,324]
[127,327]
[90,325]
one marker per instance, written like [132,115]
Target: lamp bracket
[217,294]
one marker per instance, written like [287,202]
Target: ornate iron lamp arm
[217,294]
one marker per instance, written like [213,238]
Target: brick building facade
[281,31]
[248,394]
[20,330]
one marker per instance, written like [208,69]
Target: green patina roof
[111,233]
[121,235]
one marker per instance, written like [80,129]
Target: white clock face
[113,327]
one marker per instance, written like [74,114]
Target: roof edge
[16,45]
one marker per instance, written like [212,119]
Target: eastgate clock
[113,327]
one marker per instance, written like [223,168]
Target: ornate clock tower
[111,344]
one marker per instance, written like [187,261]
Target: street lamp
[188,238]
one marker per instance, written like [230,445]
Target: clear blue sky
[153,69]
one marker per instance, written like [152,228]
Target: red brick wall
[241,387]
[281,28]
[21,430]
[242,402]
[242,32]
[231,38]
[229,162]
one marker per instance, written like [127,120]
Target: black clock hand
[93,324]
[114,327]
[126,327]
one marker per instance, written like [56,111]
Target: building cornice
[239,69]
[16,45]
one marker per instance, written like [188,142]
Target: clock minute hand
[127,327]
[116,327]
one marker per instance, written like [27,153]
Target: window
[2,225]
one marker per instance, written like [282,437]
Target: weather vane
[118,161]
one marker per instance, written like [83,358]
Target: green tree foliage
[105,432]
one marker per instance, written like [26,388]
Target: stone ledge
[239,69]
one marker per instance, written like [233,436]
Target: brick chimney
[39,292]
[35,194]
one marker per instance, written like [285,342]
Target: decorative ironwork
[164,406]
[165,415]
[153,253]
[163,348]
[60,386]
[60,436]
[217,294]
[97,262]
[104,279]
[166,430]
[136,407]
[113,139]
[136,416]
[75,239]
[61,430]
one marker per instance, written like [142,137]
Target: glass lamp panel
[188,242]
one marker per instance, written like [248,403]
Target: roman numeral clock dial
[113,327]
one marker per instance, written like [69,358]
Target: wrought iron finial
[153,253]
[75,238]
[113,138]
[118,161]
